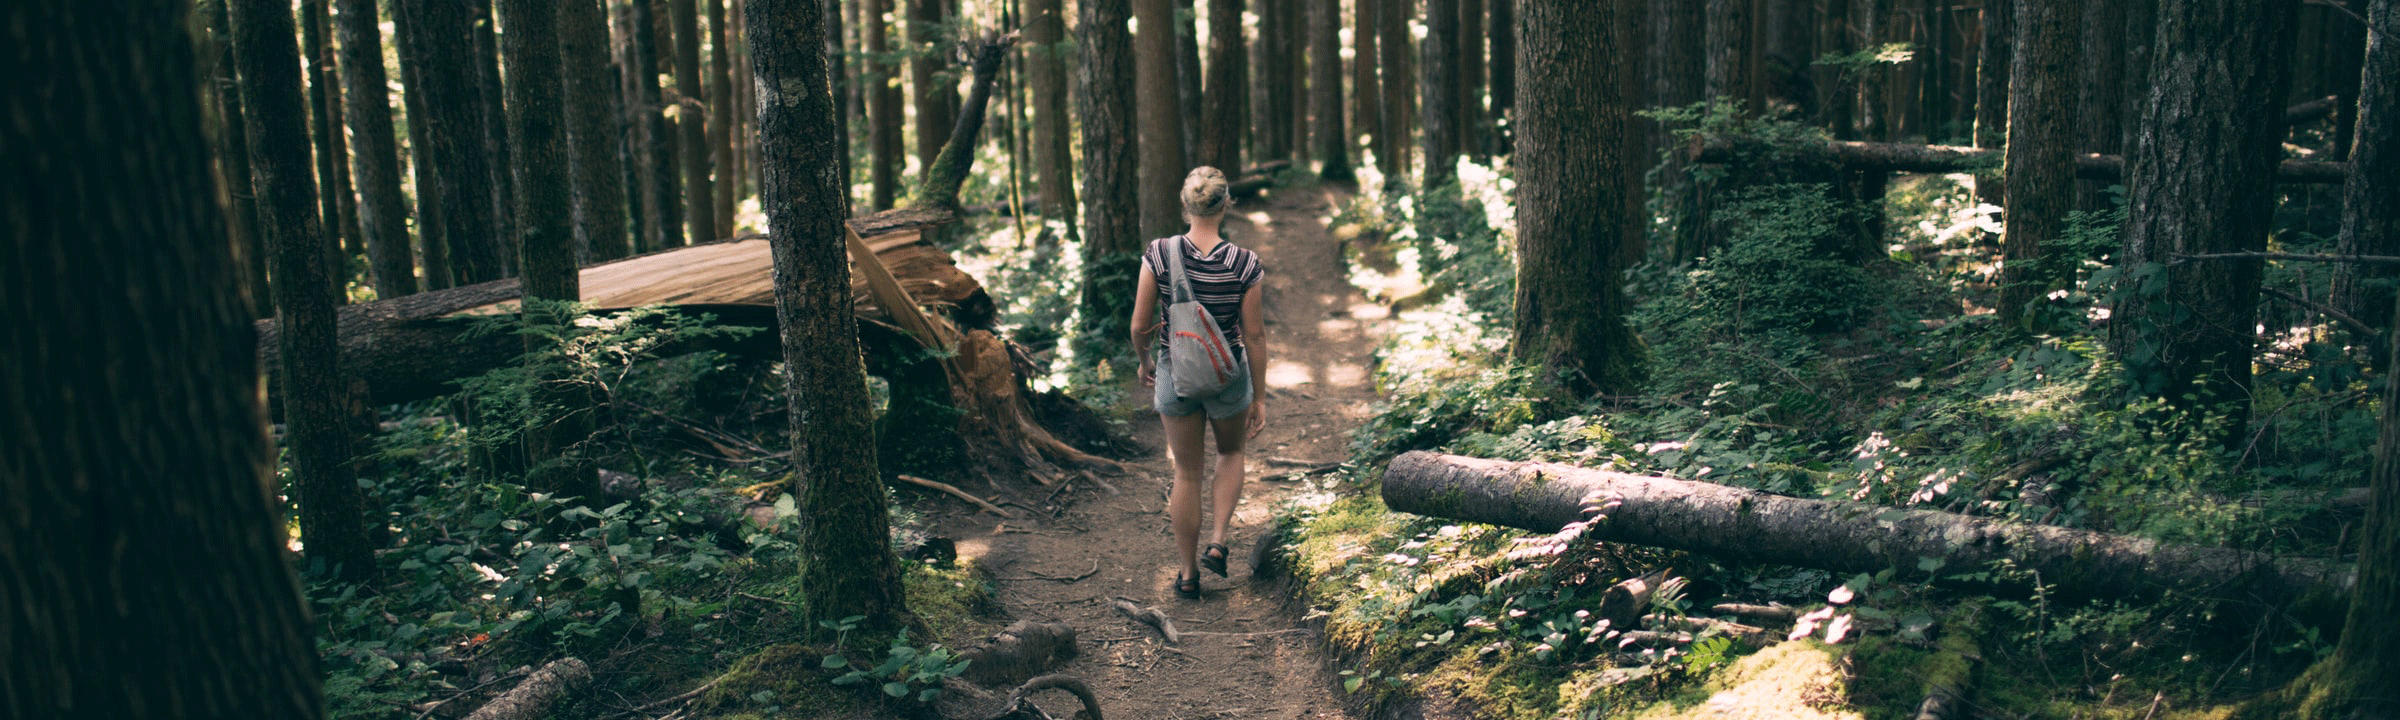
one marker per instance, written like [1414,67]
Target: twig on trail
[1037,575]
[1301,473]
[1062,487]
[785,603]
[1291,462]
[955,492]
[1261,633]
[1152,617]
[1095,478]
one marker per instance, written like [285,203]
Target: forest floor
[1246,653]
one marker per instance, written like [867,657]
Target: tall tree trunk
[935,95]
[1187,76]
[1399,86]
[502,238]
[2356,680]
[2040,169]
[1366,92]
[1325,89]
[432,248]
[456,156]
[848,114]
[1295,81]
[699,192]
[1874,110]
[846,562]
[2101,103]
[1504,71]
[1991,92]
[545,198]
[883,108]
[1837,94]
[1053,131]
[1266,135]
[2141,45]
[332,514]
[1161,107]
[382,211]
[1221,118]
[661,184]
[1570,316]
[1728,45]
[1112,232]
[233,160]
[599,179]
[1438,92]
[325,128]
[1933,51]
[1680,78]
[143,534]
[1471,128]
[2369,209]
[720,115]
[2200,179]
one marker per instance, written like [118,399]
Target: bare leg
[1231,432]
[1184,435]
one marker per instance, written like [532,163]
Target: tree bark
[1161,107]
[431,246]
[1751,526]
[599,177]
[233,160]
[2040,156]
[454,121]
[533,697]
[2101,101]
[332,514]
[144,556]
[1504,70]
[1046,53]
[1728,42]
[883,109]
[1991,93]
[1112,236]
[1471,128]
[2200,180]
[1399,87]
[1912,158]
[949,170]
[699,191]
[934,97]
[2368,208]
[1439,92]
[662,207]
[1325,90]
[846,562]
[1221,114]
[382,211]
[1570,193]
[537,119]
[501,240]
[325,128]
[1366,93]
[720,116]
[1187,76]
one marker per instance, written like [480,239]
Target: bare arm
[1145,321]
[1254,343]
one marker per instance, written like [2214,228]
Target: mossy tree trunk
[1570,193]
[846,567]
[143,530]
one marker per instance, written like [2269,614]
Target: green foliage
[905,672]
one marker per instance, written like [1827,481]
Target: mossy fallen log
[1751,526]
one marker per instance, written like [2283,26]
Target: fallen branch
[1152,617]
[2355,325]
[954,491]
[1769,613]
[1037,575]
[532,699]
[1949,683]
[1301,473]
[1018,708]
[1751,526]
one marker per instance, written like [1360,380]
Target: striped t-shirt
[1219,278]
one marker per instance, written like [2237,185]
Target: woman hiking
[1222,394]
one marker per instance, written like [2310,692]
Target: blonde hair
[1205,193]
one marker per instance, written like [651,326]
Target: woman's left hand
[1258,417]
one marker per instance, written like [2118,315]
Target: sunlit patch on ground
[1786,680]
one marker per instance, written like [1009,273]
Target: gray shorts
[1232,401]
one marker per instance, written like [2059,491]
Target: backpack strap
[1181,291]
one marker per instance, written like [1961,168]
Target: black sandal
[1189,588]
[1213,557]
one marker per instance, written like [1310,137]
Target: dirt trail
[1252,663]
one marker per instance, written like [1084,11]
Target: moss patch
[1800,679]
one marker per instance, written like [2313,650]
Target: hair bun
[1205,193]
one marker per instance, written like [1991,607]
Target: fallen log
[1751,526]
[1912,158]
[532,698]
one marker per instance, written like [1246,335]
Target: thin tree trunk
[1471,128]
[883,109]
[545,198]
[1295,81]
[1504,71]
[325,129]
[2200,180]
[1161,107]
[1325,89]
[332,513]
[1439,91]
[1112,232]
[848,114]
[2040,170]
[455,155]
[934,97]
[1187,77]
[599,179]
[143,535]
[1053,131]
[1399,88]
[2369,209]
[1728,40]
[1571,205]
[1837,94]
[1221,115]
[501,240]
[1366,93]
[233,158]
[382,211]
[699,192]
[660,184]
[432,250]
[1991,92]
[720,115]
[846,563]
[1266,137]
[1751,526]
[2100,99]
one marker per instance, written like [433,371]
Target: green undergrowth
[1773,368]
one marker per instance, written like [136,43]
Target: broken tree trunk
[1910,158]
[1747,525]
